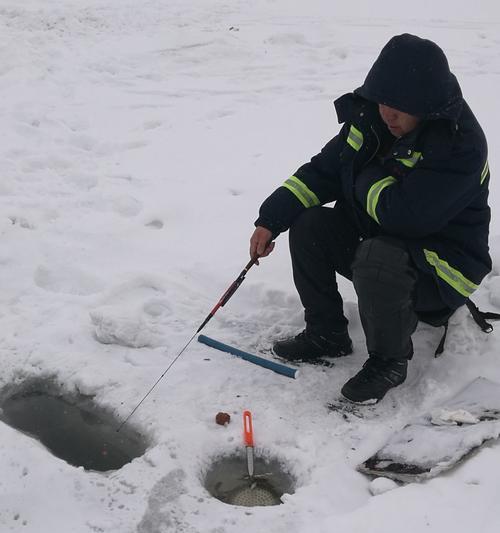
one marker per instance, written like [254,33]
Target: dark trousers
[392,293]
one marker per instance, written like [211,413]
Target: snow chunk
[449,417]
[380,485]
[126,327]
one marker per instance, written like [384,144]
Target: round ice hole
[72,426]
[228,481]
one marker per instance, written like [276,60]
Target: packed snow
[138,141]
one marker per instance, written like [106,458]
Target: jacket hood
[412,75]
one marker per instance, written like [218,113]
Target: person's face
[399,123]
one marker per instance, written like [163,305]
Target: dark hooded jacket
[428,187]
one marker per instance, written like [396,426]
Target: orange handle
[248,428]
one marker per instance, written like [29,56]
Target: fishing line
[224,299]
[156,383]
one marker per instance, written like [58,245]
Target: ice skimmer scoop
[256,490]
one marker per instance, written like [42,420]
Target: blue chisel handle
[256,360]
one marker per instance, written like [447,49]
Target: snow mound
[134,315]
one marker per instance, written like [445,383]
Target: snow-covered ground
[138,140]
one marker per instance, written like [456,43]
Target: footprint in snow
[155,223]
[66,279]
[152,124]
[164,511]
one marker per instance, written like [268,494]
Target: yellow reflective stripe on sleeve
[451,275]
[374,193]
[301,191]
[411,161]
[485,172]
[355,138]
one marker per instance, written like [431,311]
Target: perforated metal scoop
[258,493]
[255,489]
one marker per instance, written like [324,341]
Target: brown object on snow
[222,419]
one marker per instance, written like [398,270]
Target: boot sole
[313,360]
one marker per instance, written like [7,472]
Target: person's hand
[260,243]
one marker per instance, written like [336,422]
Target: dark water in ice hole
[74,428]
[227,477]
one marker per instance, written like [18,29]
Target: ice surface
[138,140]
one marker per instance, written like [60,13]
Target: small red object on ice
[222,419]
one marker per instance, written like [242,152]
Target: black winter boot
[375,379]
[311,346]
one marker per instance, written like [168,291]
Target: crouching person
[409,176]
